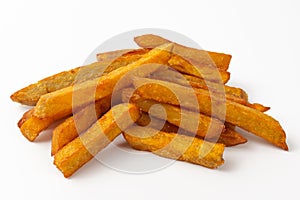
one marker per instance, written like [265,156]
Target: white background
[40,38]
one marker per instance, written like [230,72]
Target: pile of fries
[120,92]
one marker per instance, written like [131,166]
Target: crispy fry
[123,59]
[231,138]
[31,126]
[175,146]
[82,149]
[204,72]
[201,57]
[196,82]
[245,117]
[32,93]
[193,122]
[60,103]
[155,123]
[78,123]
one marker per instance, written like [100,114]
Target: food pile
[120,93]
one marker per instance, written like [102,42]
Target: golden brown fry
[31,126]
[60,103]
[231,138]
[31,94]
[82,149]
[123,59]
[204,72]
[196,82]
[201,57]
[245,117]
[78,123]
[193,122]
[112,55]
[175,146]
[155,123]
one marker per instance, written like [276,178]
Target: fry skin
[110,61]
[201,57]
[78,123]
[175,146]
[60,103]
[237,114]
[82,149]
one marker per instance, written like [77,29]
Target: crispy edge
[201,57]
[82,149]
[175,146]
[78,123]
[60,103]
[240,115]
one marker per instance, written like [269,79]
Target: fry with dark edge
[245,117]
[175,146]
[82,149]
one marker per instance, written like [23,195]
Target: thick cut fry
[155,123]
[231,138]
[78,123]
[193,122]
[82,149]
[61,102]
[31,126]
[31,94]
[192,81]
[247,118]
[204,72]
[201,57]
[175,146]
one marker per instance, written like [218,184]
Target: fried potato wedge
[193,122]
[61,102]
[82,149]
[32,93]
[237,114]
[78,123]
[175,146]
[201,57]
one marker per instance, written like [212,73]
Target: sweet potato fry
[82,149]
[175,146]
[78,123]
[193,122]
[245,117]
[61,102]
[201,57]
[31,94]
